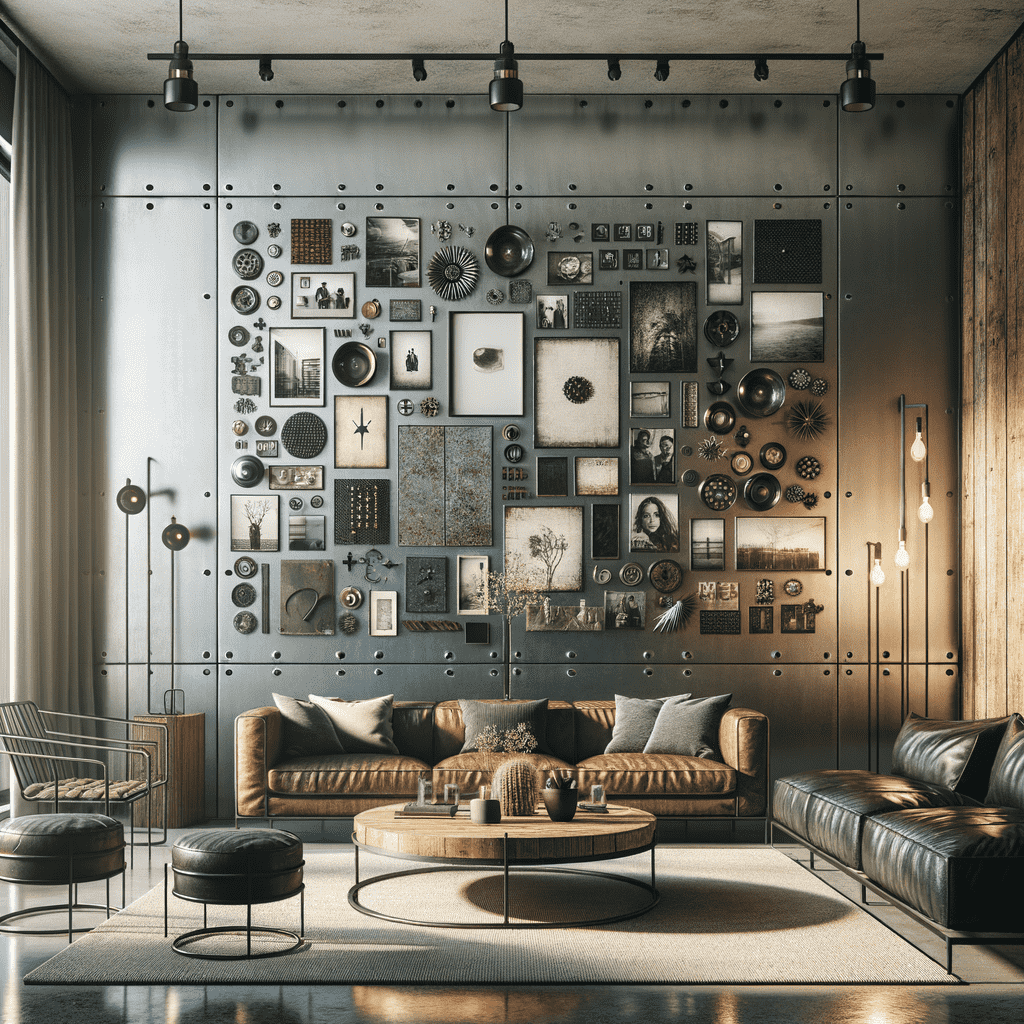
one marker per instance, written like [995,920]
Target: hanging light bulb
[918,450]
[877,573]
[925,513]
[902,556]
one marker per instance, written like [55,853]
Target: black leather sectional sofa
[942,837]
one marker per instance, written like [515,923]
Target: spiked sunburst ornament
[712,449]
[677,616]
[807,420]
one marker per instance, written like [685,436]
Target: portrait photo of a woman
[654,523]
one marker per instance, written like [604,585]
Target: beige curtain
[49,435]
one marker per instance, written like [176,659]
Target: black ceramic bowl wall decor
[509,251]
[761,392]
[354,364]
[762,492]
[720,417]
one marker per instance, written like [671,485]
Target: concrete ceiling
[100,46]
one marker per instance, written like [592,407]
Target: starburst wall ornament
[712,449]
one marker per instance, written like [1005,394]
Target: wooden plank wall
[993,381]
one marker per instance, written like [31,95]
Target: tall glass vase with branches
[507,594]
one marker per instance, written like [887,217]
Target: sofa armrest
[743,741]
[257,748]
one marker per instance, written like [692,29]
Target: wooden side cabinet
[186,766]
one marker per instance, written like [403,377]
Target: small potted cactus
[560,794]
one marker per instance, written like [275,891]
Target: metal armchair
[132,766]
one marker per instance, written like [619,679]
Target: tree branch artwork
[550,549]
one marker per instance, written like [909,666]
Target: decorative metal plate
[243,595]
[245,622]
[741,463]
[247,264]
[762,492]
[266,425]
[245,232]
[720,417]
[274,251]
[721,327]
[602,574]
[808,467]
[246,567]
[304,435]
[631,574]
[665,575]
[275,279]
[274,302]
[773,455]
[245,299]
[453,272]
[794,588]
[718,492]
[238,336]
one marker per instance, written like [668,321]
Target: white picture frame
[383,613]
[471,574]
[486,364]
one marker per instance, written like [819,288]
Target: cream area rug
[727,915]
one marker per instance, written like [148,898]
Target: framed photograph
[409,310]
[600,232]
[383,613]
[657,259]
[472,576]
[652,455]
[392,252]
[707,544]
[604,531]
[552,476]
[653,522]
[767,544]
[649,399]
[486,364]
[360,431]
[307,597]
[562,618]
[787,327]
[570,268]
[306,533]
[552,312]
[547,543]
[576,392]
[295,478]
[725,262]
[608,259]
[254,522]
[411,366]
[799,618]
[323,296]
[623,233]
[645,232]
[297,366]
[625,609]
[596,475]
[633,259]
[662,327]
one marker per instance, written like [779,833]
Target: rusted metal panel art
[421,486]
[467,462]
[307,597]
[426,584]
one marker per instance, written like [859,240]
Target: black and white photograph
[392,252]
[254,523]
[662,327]
[297,370]
[632,259]
[787,327]
[657,259]
[546,617]
[785,544]
[652,455]
[608,259]
[597,475]
[604,531]
[649,399]
[653,522]
[472,589]
[547,544]
[624,609]
[552,476]
[486,364]
[306,533]
[725,262]
[570,268]
[295,478]
[323,296]
[576,392]
[360,431]
[707,544]
[623,233]
[383,613]
[600,232]
[552,312]
[411,365]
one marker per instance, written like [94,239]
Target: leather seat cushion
[36,847]
[960,866]
[655,775]
[235,866]
[347,775]
[828,808]
[474,769]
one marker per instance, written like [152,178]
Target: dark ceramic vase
[560,803]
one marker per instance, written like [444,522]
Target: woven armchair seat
[84,789]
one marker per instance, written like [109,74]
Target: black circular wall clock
[666,575]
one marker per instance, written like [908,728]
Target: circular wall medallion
[800,379]
[274,251]
[721,327]
[578,390]
[274,302]
[304,435]
[245,232]
[720,417]
[772,455]
[266,425]
[295,503]
[245,299]
[793,588]
[247,264]
[741,463]
[243,595]
[508,251]
[247,471]
[718,492]
[666,575]
[762,492]
[275,279]
[240,427]
[406,407]
[631,574]
[246,567]
[316,501]
[348,229]
[354,364]
[514,453]
[510,432]
[245,622]
[351,597]
[371,309]
[691,478]
[238,336]
[602,574]
[453,272]
[761,392]
[808,467]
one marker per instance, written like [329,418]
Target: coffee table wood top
[533,840]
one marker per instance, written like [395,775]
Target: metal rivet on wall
[570,672]
[378,655]
[378,671]
[570,654]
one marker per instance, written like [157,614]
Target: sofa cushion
[689,727]
[362,726]
[655,775]
[954,754]
[1006,783]
[961,866]
[307,729]
[347,775]
[828,808]
[634,722]
[478,715]
[475,768]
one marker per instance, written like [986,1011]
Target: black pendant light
[180,89]
[506,91]
[857,93]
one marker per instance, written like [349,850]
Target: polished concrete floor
[993,991]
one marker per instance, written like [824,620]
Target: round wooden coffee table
[514,844]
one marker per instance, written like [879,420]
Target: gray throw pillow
[477,715]
[1006,787]
[634,722]
[307,730]
[362,726]
[689,726]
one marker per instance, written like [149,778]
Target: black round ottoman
[60,849]
[236,867]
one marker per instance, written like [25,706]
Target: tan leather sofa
[430,736]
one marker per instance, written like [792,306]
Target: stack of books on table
[415,810]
